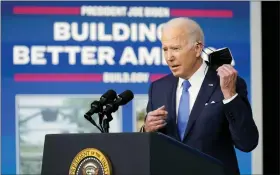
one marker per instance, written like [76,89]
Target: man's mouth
[174,66]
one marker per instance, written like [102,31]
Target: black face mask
[219,57]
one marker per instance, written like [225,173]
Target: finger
[158,122]
[222,72]
[221,67]
[162,107]
[224,76]
[228,66]
[234,76]
[158,112]
[227,69]
[231,68]
[232,73]
[163,116]
[155,128]
[152,118]
[225,66]
[160,126]
[158,117]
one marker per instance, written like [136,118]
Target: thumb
[162,107]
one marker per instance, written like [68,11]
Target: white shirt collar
[197,78]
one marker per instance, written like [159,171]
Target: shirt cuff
[225,101]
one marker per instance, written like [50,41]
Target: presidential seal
[90,161]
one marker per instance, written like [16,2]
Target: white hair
[191,28]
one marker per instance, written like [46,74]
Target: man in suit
[204,108]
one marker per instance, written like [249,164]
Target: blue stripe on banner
[127,117]
[8,134]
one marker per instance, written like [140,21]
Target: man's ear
[198,49]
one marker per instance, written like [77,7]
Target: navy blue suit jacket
[213,129]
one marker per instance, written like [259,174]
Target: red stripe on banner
[154,77]
[201,13]
[36,10]
[58,77]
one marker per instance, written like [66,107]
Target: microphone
[108,97]
[97,106]
[122,99]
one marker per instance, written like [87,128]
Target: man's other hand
[155,119]
[228,76]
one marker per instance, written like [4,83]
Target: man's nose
[170,56]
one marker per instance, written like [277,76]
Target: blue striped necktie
[184,109]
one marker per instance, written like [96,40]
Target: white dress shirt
[196,81]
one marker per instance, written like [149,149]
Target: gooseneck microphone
[122,99]
[108,103]
[97,107]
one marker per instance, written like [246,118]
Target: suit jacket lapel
[207,88]
[172,105]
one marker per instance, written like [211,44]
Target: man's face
[179,53]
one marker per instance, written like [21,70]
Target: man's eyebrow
[175,45]
[172,46]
